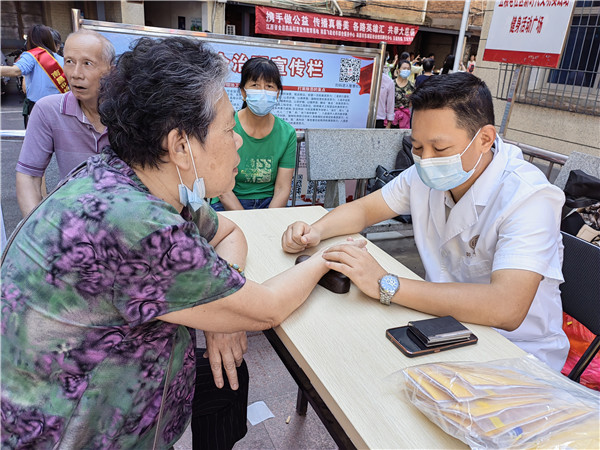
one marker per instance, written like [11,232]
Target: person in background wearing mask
[486,224]
[268,154]
[41,66]
[415,65]
[403,90]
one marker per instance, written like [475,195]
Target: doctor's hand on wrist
[358,264]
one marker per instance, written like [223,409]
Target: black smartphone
[411,346]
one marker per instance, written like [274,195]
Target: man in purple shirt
[385,107]
[66,124]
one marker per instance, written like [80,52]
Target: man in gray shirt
[66,124]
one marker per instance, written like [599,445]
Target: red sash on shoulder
[51,67]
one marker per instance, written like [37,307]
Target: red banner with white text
[282,22]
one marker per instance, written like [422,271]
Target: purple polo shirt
[385,107]
[57,125]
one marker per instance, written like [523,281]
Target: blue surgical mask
[446,172]
[261,101]
[194,198]
[405,73]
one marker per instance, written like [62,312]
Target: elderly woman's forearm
[255,306]
[230,242]
[233,247]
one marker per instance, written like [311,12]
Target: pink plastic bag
[580,338]
[402,118]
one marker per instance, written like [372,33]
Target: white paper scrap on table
[258,411]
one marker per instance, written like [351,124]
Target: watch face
[389,283]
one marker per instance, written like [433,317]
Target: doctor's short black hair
[464,93]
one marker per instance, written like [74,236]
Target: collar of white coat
[465,213]
[485,185]
[489,179]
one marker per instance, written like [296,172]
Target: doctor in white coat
[486,224]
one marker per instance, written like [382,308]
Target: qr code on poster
[349,70]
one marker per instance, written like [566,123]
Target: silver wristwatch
[388,286]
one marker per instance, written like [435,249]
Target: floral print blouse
[84,362]
[402,94]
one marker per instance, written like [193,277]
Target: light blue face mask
[446,172]
[194,198]
[261,101]
[405,73]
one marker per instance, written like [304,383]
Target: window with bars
[575,84]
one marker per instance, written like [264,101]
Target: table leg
[301,402]
[306,390]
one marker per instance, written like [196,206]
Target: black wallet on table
[439,330]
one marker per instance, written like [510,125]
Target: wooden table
[338,342]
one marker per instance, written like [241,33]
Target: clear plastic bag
[516,403]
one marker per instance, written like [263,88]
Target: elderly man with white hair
[67,125]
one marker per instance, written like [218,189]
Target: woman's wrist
[320,262]
[237,268]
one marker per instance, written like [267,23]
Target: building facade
[553,109]
[19,16]
[438,21]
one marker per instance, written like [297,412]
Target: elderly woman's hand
[299,236]
[225,350]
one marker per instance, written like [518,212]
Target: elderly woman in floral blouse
[101,282]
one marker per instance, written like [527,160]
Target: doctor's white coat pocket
[474,270]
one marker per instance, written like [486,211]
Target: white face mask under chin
[445,173]
[194,198]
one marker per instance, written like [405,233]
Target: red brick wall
[448,14]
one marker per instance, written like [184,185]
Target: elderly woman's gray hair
[158,86]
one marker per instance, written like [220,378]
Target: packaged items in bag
[517,403]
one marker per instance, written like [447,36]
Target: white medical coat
[508,219]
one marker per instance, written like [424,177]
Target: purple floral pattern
[83,359]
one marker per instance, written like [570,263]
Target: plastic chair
[580,293]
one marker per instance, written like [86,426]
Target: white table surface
[339,342]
